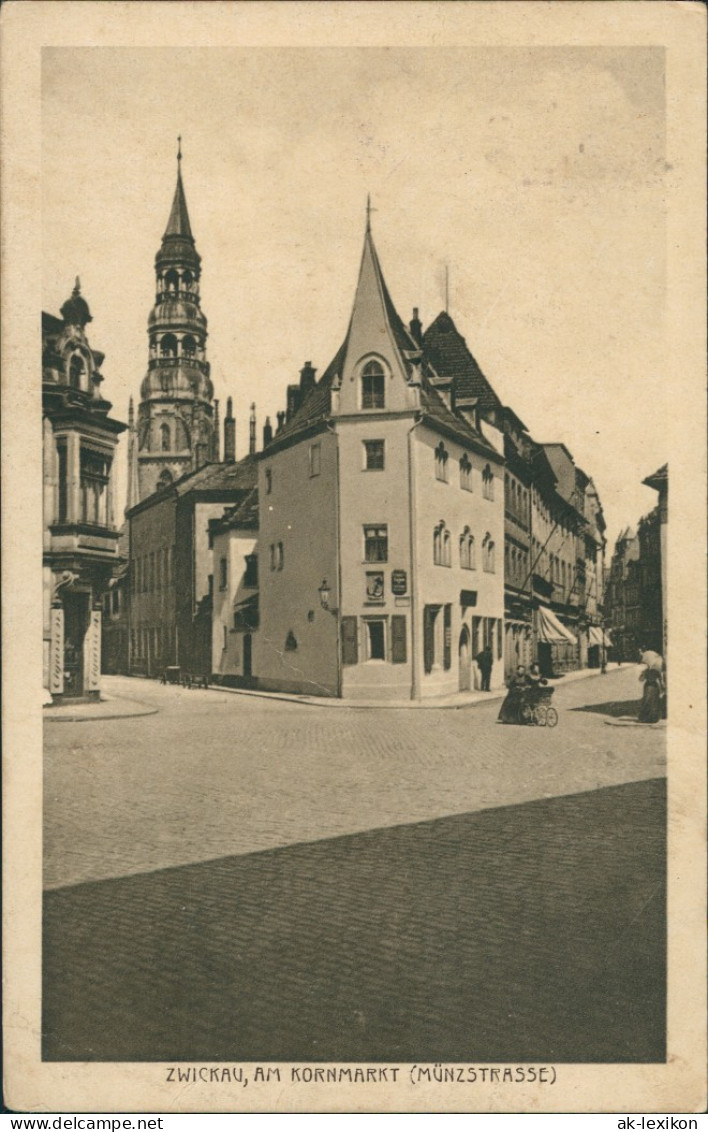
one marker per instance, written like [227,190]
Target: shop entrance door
[76,610]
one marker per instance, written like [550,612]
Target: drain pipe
[412,529]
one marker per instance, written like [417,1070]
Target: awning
[595,637]
[550,628]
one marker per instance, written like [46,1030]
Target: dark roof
[658,478]
[317,405]
[450,356]
[244,516]
[437,413]
[216,478]
[51,324]
[178,223]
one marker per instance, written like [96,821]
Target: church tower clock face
[175,427]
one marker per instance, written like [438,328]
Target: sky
[536,176]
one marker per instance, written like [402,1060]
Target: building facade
[381,524]
[80,536]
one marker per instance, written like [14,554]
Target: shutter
[398,640]
[447,626]
[350,652]
[428,646]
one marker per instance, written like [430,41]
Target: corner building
[381,526]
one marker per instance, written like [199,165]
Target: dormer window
[373,386]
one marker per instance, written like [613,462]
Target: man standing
[485,662]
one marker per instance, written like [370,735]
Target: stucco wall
[440,585]
[227,642]
[300,511]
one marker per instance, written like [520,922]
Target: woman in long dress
[509,711]
[650,707]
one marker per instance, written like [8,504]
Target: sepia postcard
[354,645]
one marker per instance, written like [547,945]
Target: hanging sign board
[399,582]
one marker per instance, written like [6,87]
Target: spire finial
[179,148]
[77,286]
[369,210]
[447,289]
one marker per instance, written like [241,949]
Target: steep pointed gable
[178,223]
[375,326]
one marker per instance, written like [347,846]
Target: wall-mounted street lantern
[325,593]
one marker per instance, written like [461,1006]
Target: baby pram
[536,707]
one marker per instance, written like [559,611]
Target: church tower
[175,425]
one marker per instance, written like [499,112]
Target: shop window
[441,459]
[375,639]
[374,455]
[376,544]
[373,386]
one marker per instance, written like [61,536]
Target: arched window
[189,346]
[447,548]
[488,483]
[172,280]
[442,545]
[488,553]
[165,437]
[168,346]
[465,473]
[441,458]
[467,550]
[373,386]
[77,368]
[187,279]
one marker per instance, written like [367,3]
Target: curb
[143,709]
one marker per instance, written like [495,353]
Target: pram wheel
[551,717]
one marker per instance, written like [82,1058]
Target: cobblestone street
[214,774]
[275,881]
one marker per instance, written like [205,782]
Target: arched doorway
[465,660]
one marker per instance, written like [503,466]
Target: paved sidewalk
[456,700]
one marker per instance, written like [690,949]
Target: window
[465,473]
[376,544]
[268,480]
[375,640]
[315,457]
[76,370]
[488,553]
[373,386]
[250,577]
[375,586]
[168,346]
[441,458]
[95,469]
[165,437]
[61,452]
[442,545]
[223,573]
[374,455]
[225,642]
[350,642]
[467,561]
[280,556]
[189,346]
[488,483]
[290,642]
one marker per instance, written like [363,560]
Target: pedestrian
[650,707]
[510,711]
[485,662]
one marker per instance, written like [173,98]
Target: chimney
[229,434]
[252,431]
[307,379]
[293,401]
[215,454]
[267,432]
[281,422]
[416,328]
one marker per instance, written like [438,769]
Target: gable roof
[215,479]
[449,354]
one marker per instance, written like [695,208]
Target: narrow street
[247,879]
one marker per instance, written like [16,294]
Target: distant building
[381,523]
[177,428]
[636,586]
[235,606]
[80,536]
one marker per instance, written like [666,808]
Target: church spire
[178,223]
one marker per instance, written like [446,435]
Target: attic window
[373,386]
